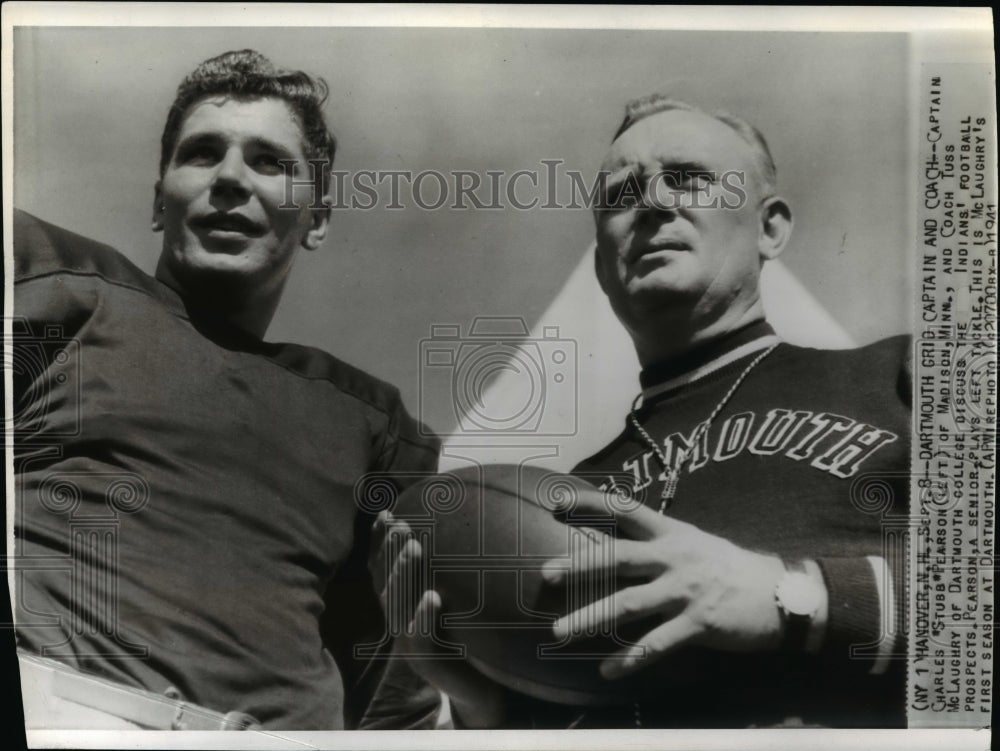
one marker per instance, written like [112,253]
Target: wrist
[817,628]
[803,605]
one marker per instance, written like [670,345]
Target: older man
[191,551]
[760,553]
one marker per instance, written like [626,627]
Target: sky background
[90,105]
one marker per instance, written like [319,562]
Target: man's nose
[231,175]
[662,198]
[659,206]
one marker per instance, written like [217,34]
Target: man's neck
[213,303]
[708,357]
[676,341]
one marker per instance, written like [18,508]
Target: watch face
[798,594]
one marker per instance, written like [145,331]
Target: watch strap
[797,625]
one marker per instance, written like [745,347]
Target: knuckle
[628,603]
[656,645]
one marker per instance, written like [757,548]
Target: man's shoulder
[887,354]
[870,372]
[316,364]
[44,249]
[892,345]
[380,399]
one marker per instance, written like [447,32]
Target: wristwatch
[799,597]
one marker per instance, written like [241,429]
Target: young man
[767,470]
[190,548]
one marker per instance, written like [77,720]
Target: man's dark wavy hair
[248,75]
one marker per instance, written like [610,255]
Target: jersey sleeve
[867,595]
[866,605]
[382,691]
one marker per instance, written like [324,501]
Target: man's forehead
[679,137]
[265,115]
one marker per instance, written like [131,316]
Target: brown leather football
[486,531]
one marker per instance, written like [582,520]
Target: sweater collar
[669,374]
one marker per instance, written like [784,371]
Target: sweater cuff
[854,616]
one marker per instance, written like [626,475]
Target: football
[486,532]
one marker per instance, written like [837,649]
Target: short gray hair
[641,108]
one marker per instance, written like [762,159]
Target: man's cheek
[300,195]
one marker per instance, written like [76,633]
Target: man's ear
[318,226]
[599,269]
[775,227]
[157,208]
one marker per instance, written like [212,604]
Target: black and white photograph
[519,377]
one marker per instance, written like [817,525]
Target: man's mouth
[227,222]
[647,249]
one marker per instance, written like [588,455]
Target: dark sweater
[186,510]
[806,460]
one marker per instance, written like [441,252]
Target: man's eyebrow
[197,138]
[270,145]
[630,169]
[619,172]
[684,166]
[256,141]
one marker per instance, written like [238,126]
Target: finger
[376,549]
[607,556]
[422,637]
[397,532]
[388,535]
[638,521]
[651,647]
[382,551]
[426,613]
[602,616]
[477,699]
[378,526]
[397,526]
[593,533]
[404,587]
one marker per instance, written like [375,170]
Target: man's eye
[611,200]
[696,181]
[269,164]
[690,181]
[622,197]
[619,200]
[198,155]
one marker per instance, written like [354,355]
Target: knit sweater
[807,459]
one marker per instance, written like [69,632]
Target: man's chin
[224,244]
[215,262]
[656,291]
[656,304]
[209,271]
